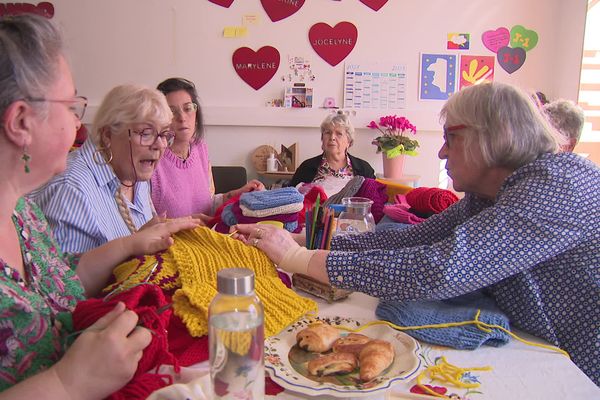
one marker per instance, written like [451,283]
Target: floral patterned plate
[286,362]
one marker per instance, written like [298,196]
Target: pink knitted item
[430,200]
[399,214]
[376,191]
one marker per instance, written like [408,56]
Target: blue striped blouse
[80,203]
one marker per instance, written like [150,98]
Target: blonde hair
[130,104]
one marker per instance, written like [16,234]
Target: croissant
[333,363]
[374,358]
[317,338]
[353,343]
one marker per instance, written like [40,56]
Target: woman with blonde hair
[104,193]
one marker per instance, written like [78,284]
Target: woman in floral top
[39,285]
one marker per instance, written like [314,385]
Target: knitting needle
[232,233]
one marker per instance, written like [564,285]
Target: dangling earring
[26,157]
[100,158]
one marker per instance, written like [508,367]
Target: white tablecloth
[519,371]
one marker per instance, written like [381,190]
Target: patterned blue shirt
[535,248]
[80,203]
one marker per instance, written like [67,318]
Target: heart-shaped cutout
[374,4]
[511,59]
[494,40]
[222,3]
[522,37]
[256,68]
[278,10]
[333,44]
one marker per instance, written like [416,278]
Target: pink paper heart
[511,59]
[333,44]
[494,40]
[256,68]
[374,4]
[222,3]
[278,10]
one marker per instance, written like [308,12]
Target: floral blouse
[325,170]
[32,306]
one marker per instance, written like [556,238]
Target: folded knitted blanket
[399,214]
[242,219]
[376,191]
[348,191]
[190,266]
[268,212]
[430,200]
[264,199]
[463,308]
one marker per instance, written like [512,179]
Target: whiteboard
[145,41]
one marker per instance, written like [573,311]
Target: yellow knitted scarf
[190,265]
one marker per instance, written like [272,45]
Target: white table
[519,371]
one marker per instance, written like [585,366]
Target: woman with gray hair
[526,230]
[104,193]
[39,284]
[335,166]
[568,118]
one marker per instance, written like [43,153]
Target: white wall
[144,41]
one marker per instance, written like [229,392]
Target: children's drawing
[437,77]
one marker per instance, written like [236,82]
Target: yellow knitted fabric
[192,262]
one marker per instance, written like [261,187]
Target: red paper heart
[256,68]
[278,10]
[374,4]
[222,3]
[333,44]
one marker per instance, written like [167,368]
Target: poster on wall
[437,76]
[380,86]
[475,70]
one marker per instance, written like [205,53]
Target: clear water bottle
[356,217]
[236,337]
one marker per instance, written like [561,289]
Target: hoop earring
[26,157]
[98,156]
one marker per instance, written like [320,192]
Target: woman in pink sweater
[182,183]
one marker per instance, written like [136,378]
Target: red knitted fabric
[310,199]
[376,191]
[430,200]
[399,214]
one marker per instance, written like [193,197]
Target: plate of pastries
[318,356]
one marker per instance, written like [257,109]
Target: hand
[157,219]
[203,218]
[251,186]
[104,357]
[275,242]
[158,236]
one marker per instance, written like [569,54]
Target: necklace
[182,156]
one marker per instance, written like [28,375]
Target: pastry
[317,338]
[353,343]
[374,358]
[333,363]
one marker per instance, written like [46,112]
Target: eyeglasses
[187,108]
[148,136]
[448,133]
[77,105]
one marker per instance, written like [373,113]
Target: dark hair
[175,84]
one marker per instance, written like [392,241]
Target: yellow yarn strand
[481,325]
[445,372]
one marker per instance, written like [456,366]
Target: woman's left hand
[274,241]
[251,186]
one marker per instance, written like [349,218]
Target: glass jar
[236,337]
[356,217]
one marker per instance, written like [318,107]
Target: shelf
[276,175]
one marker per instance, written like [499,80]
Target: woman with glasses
[39,283]
[526,230]
[104,193]
[182,184]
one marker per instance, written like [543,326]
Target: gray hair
[130,104]
[30,48]
[567,117]
[338,119]
[503,122]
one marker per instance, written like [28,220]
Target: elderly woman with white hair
[335,166]
[104,193]
[526,230]
[568,118]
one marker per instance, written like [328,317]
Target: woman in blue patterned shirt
[526,230]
